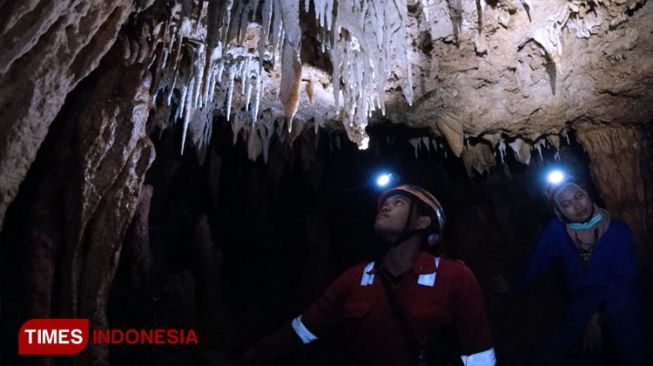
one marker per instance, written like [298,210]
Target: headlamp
[384,179]
[556,177]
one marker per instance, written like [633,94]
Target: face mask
[586,225]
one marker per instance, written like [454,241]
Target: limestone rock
[452,130]
[115,154]
[478,158]
[620,164]
[137,242]
[47,48]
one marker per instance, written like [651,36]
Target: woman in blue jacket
[597,254]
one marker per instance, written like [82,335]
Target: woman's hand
[592,338]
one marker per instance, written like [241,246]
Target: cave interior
[175,164]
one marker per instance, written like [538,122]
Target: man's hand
[592,339]
[499,284]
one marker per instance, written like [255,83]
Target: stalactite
[310,91]
[492,138]
[522,150]
[565,134]
[291,69]
[230,91]
[254,145]
[415,143]
[212,42]
[554,140]
[452,130]
[366,41]
[188,111]
[426,144]
[277,31]
[198,78]
[502,151]
[478,158]
[538,146]
[367,35]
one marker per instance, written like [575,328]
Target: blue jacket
[608,284]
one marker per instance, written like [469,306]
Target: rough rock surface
[621,168]
[47,48]
[137,242]
[115,154]
[524,73]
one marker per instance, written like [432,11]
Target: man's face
[574,204]
[392,216]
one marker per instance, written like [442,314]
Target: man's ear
[423,222]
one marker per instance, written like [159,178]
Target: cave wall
[70,218]
[621,168]
[48,47]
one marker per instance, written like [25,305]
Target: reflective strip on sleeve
[367,279]
[485,358]
[302,332]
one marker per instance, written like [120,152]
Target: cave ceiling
[514,74]
[522,69]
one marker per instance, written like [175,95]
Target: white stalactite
[230,92]
[188,110]
[366,39]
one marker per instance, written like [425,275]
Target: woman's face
[575,204]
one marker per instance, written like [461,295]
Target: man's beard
[387,237]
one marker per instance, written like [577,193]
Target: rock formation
[621,167]
[48,47]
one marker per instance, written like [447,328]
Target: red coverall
[430,296]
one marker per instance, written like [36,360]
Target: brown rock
[115,153]
[620,163]
[48,47]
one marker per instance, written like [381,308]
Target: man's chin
[385,235]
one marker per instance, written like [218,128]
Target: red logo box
[53,337]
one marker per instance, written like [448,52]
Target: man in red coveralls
[402,309]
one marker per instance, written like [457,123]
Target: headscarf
[584,234]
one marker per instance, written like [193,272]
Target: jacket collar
[425,263]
